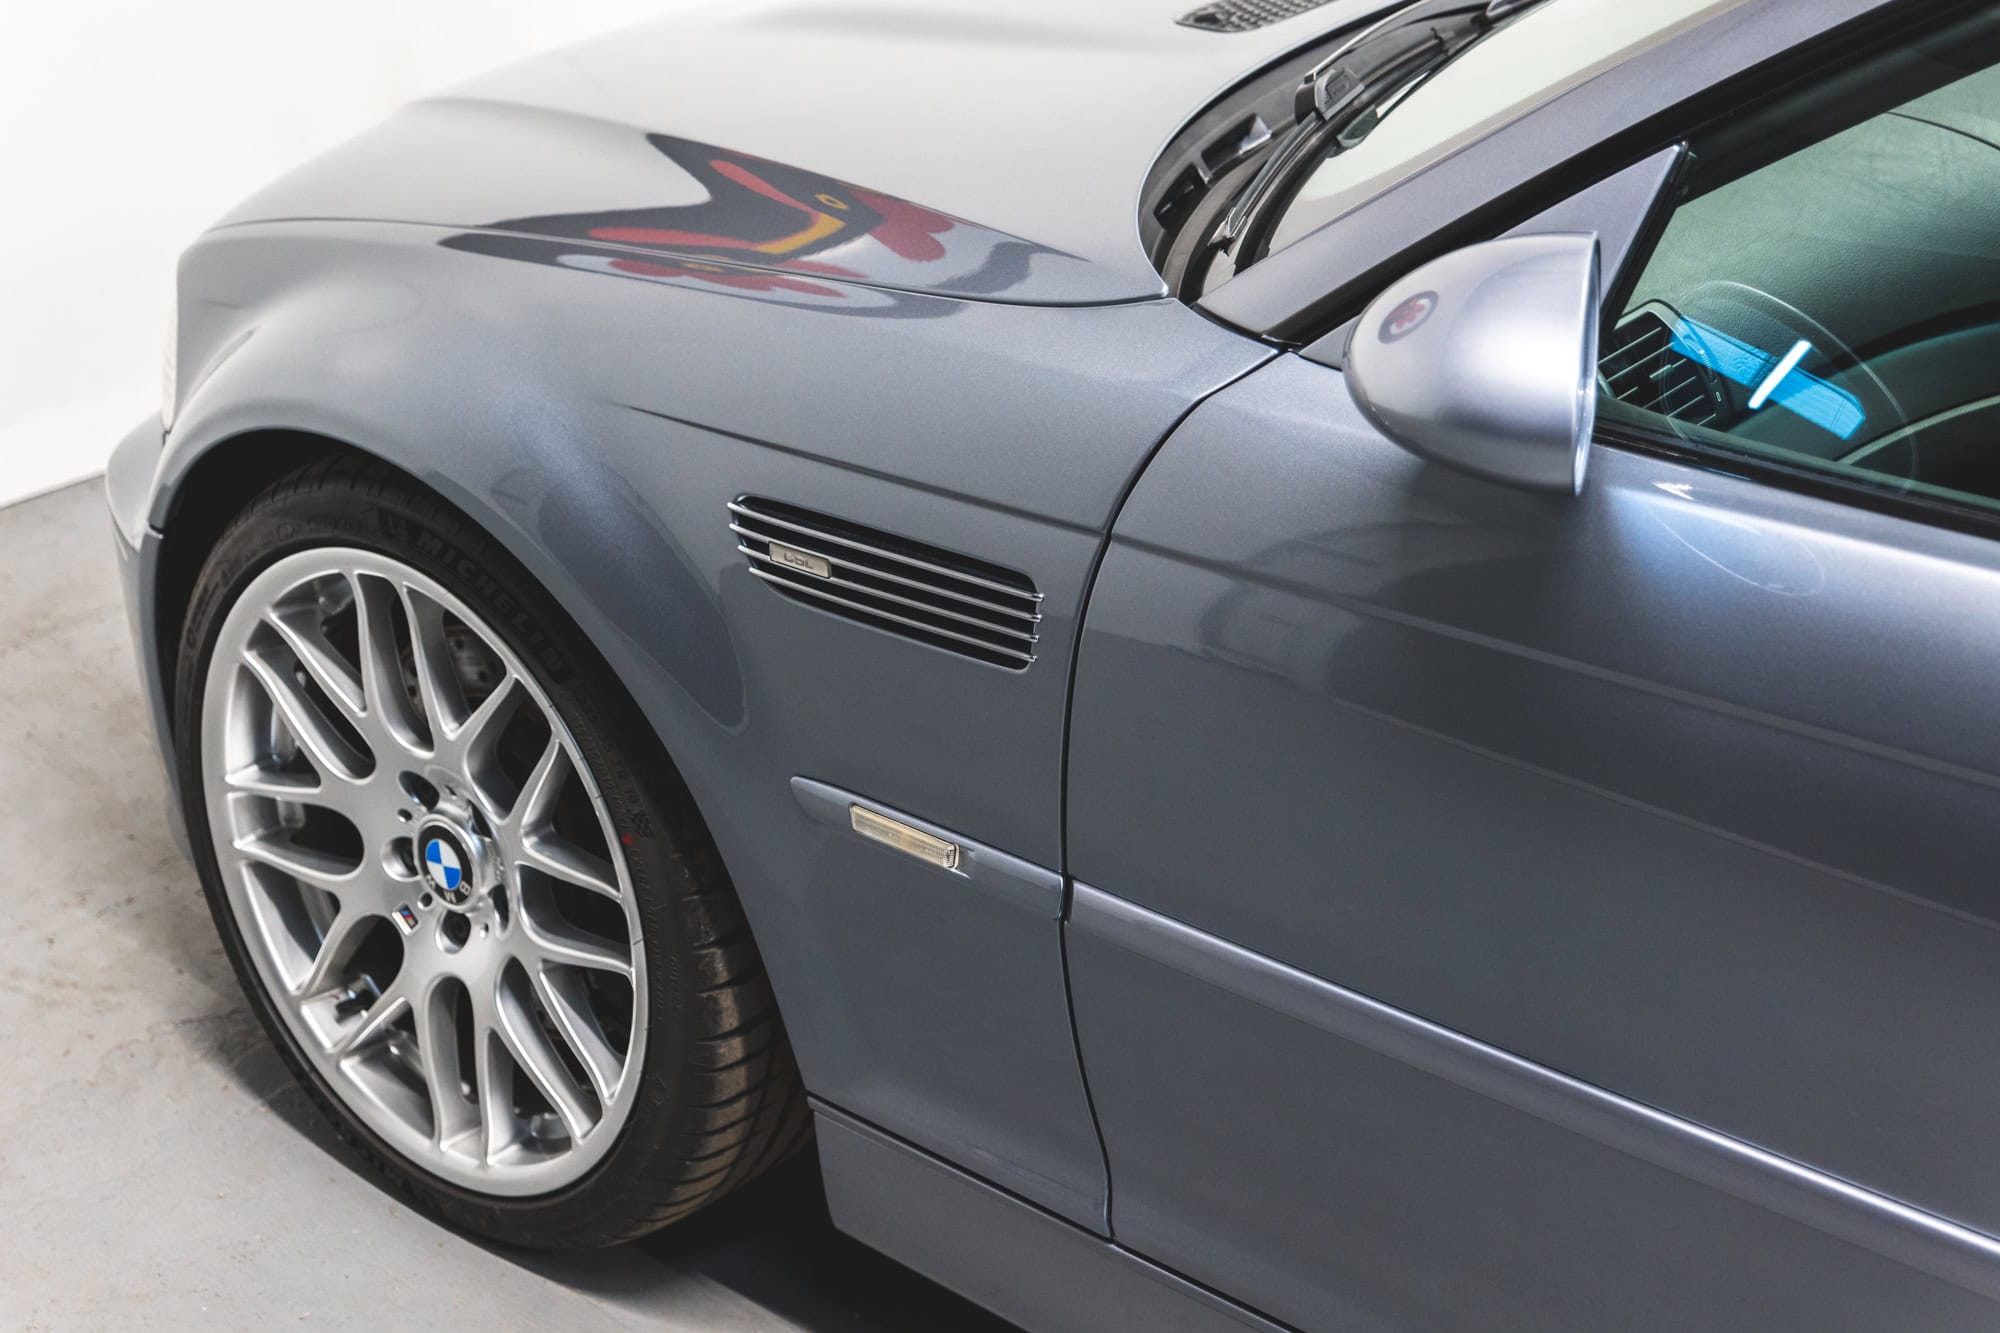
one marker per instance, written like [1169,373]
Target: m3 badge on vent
[885,580]
[791,557]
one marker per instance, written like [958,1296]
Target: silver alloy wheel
[423,871]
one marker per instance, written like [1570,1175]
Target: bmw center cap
[445,865]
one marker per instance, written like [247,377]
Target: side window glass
[1827,293]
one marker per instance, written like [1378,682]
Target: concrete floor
[157,1167]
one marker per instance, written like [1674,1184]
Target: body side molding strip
[1022,883]
[1959,1255]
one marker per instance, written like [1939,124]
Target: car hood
[994,153]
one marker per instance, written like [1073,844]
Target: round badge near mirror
[1408,317]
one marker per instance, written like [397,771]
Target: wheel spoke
[452,1113]
[534,1056]
[388,1006]
[530,827]
[472,748]
[376,610]
[438,690]
[494,1070]
[302,863]
[330,752]
[556,941]
[346,930]
[347,799]
[304,637]
[256,780]
[484,725]
[566,1003]
[558,859]
[535,807]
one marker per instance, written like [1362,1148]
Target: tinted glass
[1829,294]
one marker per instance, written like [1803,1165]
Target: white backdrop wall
[126,126]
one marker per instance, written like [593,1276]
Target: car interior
[1833,301]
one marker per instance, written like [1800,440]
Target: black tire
[720,1100]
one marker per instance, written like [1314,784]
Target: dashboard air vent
[902,587]
[1244,15]
[1644,368]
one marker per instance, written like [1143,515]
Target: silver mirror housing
[1486,360]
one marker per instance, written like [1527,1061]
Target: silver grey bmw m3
[1315,664]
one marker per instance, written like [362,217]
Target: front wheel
[472,903]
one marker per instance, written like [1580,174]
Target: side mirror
[1486,360]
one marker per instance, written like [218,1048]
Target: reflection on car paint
[776,233]
[782,287]
[1767,555]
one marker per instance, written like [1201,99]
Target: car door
[1503,910]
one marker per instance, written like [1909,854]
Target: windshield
[1377,104]
[1520,66]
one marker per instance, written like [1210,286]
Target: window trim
[1814,483]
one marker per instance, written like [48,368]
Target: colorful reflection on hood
[778,233]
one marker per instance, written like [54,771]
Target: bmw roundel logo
[444,866]
[1408,317]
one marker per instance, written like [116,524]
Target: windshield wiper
[1346,95]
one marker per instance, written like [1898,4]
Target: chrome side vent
[1644,369]
[903,587]
[1245,15]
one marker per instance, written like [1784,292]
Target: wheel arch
[216,486]
[300,344]
[206,483]
[216,464]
